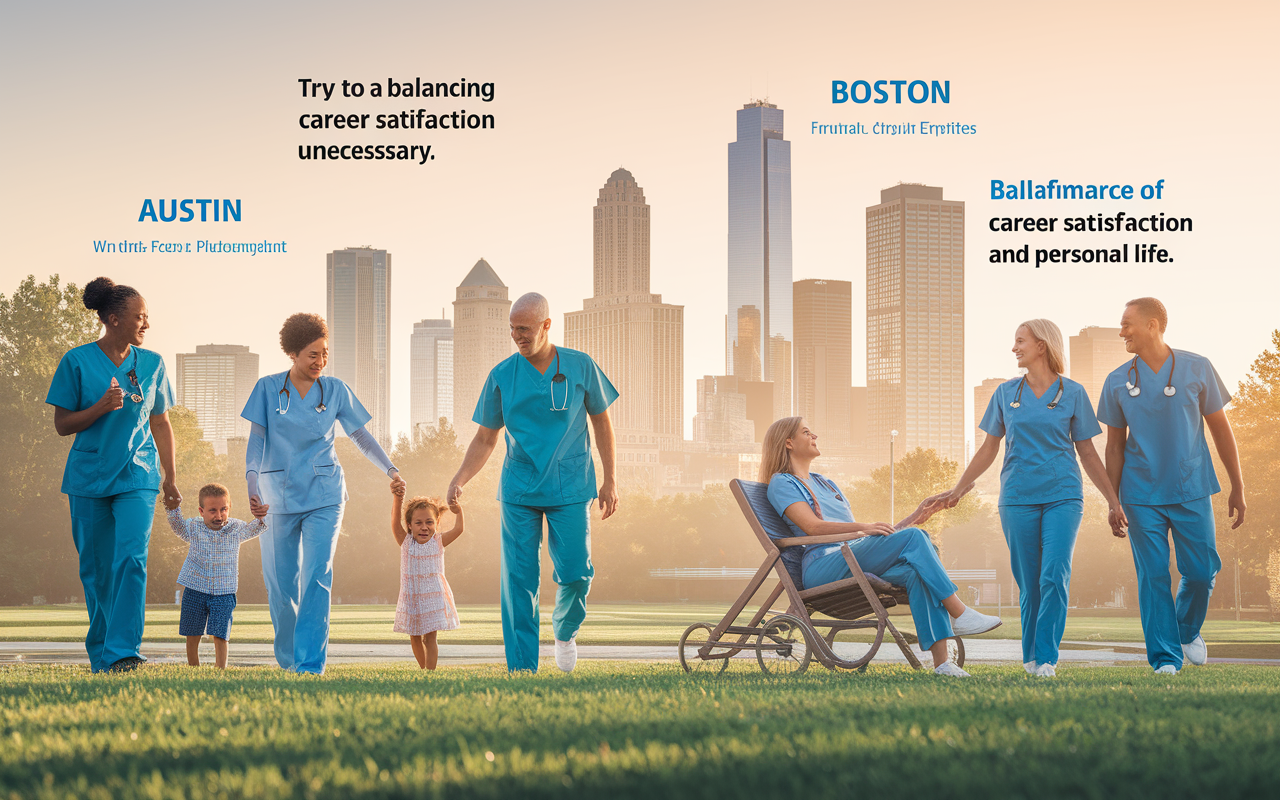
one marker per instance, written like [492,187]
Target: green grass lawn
[638,623]
[621,730]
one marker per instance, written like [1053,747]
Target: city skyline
[430,373]
[915,322]
[215,382]
[358,313]
[759,248]
[436,218]
[481,339]
[823,354]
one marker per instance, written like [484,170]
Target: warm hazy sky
[107,104]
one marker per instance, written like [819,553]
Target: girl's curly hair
[437,508]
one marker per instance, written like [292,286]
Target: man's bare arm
[1224,439]
[477,456]
[603,427]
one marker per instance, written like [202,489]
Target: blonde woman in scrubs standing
[1045,419]
[292,467]
[115,397]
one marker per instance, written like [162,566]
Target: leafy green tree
[916,475]
[38,323]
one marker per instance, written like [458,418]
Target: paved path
[982,651]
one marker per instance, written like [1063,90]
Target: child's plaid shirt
[213,562]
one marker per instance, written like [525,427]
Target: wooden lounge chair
[788,641]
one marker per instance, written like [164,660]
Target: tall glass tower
[359,295]
[759,245]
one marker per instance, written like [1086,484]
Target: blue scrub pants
[1168,624]
[297,565]
[906,558]
[112,535]
[569,537]
[1042,539]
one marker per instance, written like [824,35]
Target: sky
[106,105]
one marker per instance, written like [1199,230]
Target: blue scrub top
[116,453]
[548,459]
[786,489]
[300,469]
[1166,457]
[1039,449]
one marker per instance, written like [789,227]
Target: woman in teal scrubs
[292,467]
[1045,419]
[115,397]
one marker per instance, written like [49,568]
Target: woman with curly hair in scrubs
[115,397]
[1045,419]
[291,466]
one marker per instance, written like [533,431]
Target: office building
[915,322]
[1094,354]
[759,307]
[430,373]
[780,365]
[635,338]
[722,420]
[481,338]
[823,354]
[215,382]
[358,281]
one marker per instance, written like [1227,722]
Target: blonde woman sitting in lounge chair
[901,554]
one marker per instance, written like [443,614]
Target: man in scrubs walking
[1156,407]
[544,395]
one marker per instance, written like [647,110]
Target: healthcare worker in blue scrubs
[544,396]
[1156,407]
[1045,419]
[292,467]
[115,397]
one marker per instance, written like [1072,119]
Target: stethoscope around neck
[1135,389]
[288,397]
[1017,399]
[559,378]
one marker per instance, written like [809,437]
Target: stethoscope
[558,378]
[136,396]
[1017,400]
[288,397]
[1135,389]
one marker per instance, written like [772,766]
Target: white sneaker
[950,669]
[1195,651]
[1167,669]
[1046,671]
[1030,667]
[972,623]
[567,654]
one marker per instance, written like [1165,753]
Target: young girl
[426,602]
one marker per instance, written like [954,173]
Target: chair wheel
[784,646]
[694,638]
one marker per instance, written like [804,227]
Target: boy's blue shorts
[206,613]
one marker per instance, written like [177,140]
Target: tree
[38,324]
[916,475]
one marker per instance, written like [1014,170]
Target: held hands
[257,507]
[171,493]
[455,507]
[113,398]
[170,503]
[454,495]
[1118,521]
[398,486]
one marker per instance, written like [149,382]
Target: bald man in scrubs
[1156,407]
[544,396]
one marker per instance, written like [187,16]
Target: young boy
[210,574]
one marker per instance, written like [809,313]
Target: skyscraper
[358,314]
[215,382]
[1094,353]
[823,354]
[759,244]
[635,338]
[780,365]
[481,338]
[915,322]
[981,399]
[430,372]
